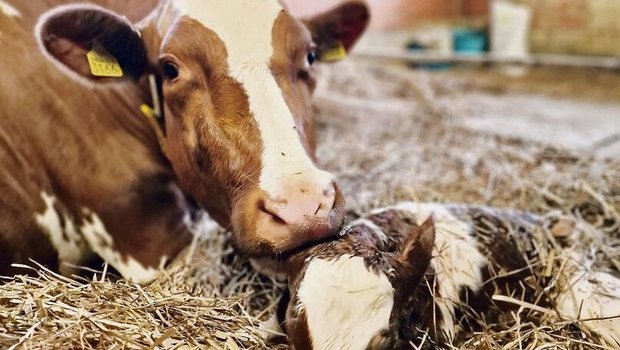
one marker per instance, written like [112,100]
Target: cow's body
[80,169]
[83,172]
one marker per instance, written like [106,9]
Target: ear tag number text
[102,63]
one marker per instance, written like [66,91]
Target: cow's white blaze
[66,240]
[245,27]
[8,9]
[457,260]
[345,303]
[102,243]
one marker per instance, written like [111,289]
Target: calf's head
[235,79]
[351,294]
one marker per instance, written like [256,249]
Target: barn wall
[575,26]
[399,14]
[586,27]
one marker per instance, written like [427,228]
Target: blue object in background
[469,41]
[419,48]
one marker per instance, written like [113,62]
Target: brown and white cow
[83,173]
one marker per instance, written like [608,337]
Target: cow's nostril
[317,209]
[277,219]
[272,208]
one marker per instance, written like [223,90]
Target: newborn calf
[402,272]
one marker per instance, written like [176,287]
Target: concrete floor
[578,109]
[572,108]
[577,125]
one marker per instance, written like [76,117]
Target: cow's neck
[120,142]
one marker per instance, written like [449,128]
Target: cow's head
[236,82]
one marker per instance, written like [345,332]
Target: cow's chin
[277,244]
[274,268]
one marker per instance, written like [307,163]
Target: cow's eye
[311,57]
[171,70]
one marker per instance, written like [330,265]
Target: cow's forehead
[244,26]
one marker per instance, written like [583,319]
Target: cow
[118,129]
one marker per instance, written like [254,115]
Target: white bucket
[510,26]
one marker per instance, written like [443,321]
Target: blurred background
[540,70]
[589,27]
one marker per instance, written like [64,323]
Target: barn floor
[575,108]
[546,141]
[498,138]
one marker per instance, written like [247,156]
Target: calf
[393,278]
[113,133]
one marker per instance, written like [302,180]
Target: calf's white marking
[8,9]
[345,303]
[245,27]
[102,243]
[67,241]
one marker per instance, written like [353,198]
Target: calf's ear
[416,253]
[335,32]
[91,42]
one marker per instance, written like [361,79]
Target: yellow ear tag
[102,64]
[336,53]
[147,111]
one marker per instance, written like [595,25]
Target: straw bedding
[389,135]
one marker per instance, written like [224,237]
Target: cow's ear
[92,42]
[335,32]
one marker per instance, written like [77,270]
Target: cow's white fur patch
[345,303]
[102,243]
[8,9]
[203,226]
[245,28]
[457,260]
[67,241]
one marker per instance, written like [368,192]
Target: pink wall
[392,14]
